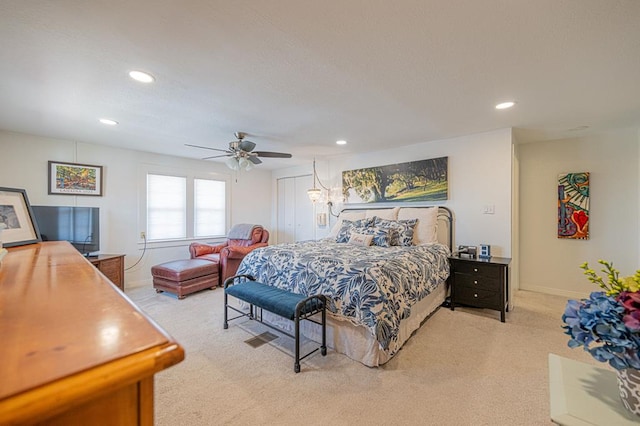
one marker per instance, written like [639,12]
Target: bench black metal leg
[226,323]
[323,348]
[296,365]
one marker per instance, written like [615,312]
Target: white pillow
[426,230]
[360,239]
[353,215]
[389,214]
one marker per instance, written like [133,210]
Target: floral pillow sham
[348,227]
[386,233]
[401,230]
[382,237]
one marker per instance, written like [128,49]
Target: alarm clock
[485,251]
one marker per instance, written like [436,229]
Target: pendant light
[314,193]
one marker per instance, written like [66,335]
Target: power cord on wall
[86,253]
[144,250]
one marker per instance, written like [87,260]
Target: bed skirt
[356,341]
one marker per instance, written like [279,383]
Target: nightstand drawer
[477,297]
[477,268]
[477,282]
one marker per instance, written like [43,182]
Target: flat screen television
[78,225]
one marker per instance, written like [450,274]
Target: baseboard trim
[556,291]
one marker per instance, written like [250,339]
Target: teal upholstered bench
[292,306]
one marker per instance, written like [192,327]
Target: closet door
[286,212]
[303,209]
[295,211]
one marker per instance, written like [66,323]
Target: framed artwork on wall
[573,205]
[424,180]
[74,179]
[17,224]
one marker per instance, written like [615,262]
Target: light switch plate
[489,209]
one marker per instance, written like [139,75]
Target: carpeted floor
[460,368]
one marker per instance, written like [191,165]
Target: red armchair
[229,254]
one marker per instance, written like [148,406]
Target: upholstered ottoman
[182,277]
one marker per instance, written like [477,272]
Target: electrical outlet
[143,235]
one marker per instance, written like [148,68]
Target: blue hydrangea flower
[597,324]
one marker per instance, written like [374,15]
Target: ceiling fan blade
[247,146]
[242,149]
[268,154]
[217,156]
[206,147]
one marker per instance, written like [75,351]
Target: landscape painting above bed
[425,180]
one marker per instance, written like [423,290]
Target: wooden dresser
[74,349]
[112,266]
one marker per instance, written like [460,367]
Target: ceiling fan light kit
[238,164]
[241,153]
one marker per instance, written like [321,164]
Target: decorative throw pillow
[405,232]
[390,227]
[354,215]
[361,239]
[401,231]
[348,227]
[426,230]
[382,237]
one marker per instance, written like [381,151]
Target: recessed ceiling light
[505,105]
[108,122]
[341,142]
[142,77]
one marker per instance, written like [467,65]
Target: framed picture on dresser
[17,224]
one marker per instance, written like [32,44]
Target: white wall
[551,265]
[23,164]
[479,174]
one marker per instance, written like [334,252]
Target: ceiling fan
[241,153]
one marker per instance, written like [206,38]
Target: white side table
[581,394]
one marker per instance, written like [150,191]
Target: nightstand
[480,283]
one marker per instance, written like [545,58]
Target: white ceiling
[297,75]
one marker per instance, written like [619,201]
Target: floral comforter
[370,286]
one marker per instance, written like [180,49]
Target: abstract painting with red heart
[573,205]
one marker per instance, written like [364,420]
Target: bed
[380,290]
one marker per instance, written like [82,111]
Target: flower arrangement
[607,324]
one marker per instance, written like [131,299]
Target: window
[166,207]
[209,207]
[184,207]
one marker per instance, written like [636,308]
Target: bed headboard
[445,221]
[445,232]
